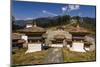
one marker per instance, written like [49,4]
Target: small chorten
[35,24]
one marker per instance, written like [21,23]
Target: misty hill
[89,23]
[47,22]
[22,22]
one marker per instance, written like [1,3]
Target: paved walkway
[55,55]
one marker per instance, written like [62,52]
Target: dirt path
[55,55]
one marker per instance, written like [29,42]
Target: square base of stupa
[33,48]
[78,47]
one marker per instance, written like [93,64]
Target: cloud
[17,19]
[50,13]
[73,7]
[64,8]
[69,8]
[44,11]
[29,18]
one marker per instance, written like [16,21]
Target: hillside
[48,22]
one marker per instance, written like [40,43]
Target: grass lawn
[70,56]
[20,58]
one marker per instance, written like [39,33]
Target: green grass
[20,58]
[70,56]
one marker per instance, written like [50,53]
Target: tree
[14,26]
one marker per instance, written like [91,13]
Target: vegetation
[89,23]
[20,58]
[14,26]
[47,22]
[86,22]
[54,21]
[70,56]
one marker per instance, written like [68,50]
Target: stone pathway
[55,55]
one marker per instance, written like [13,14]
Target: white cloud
[64,8]
[30,18]
[17,19]
[49,13]
[69,8]
[44,11]
[73,7]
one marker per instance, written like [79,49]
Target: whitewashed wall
[78,47]
[33,48]
[56,45]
